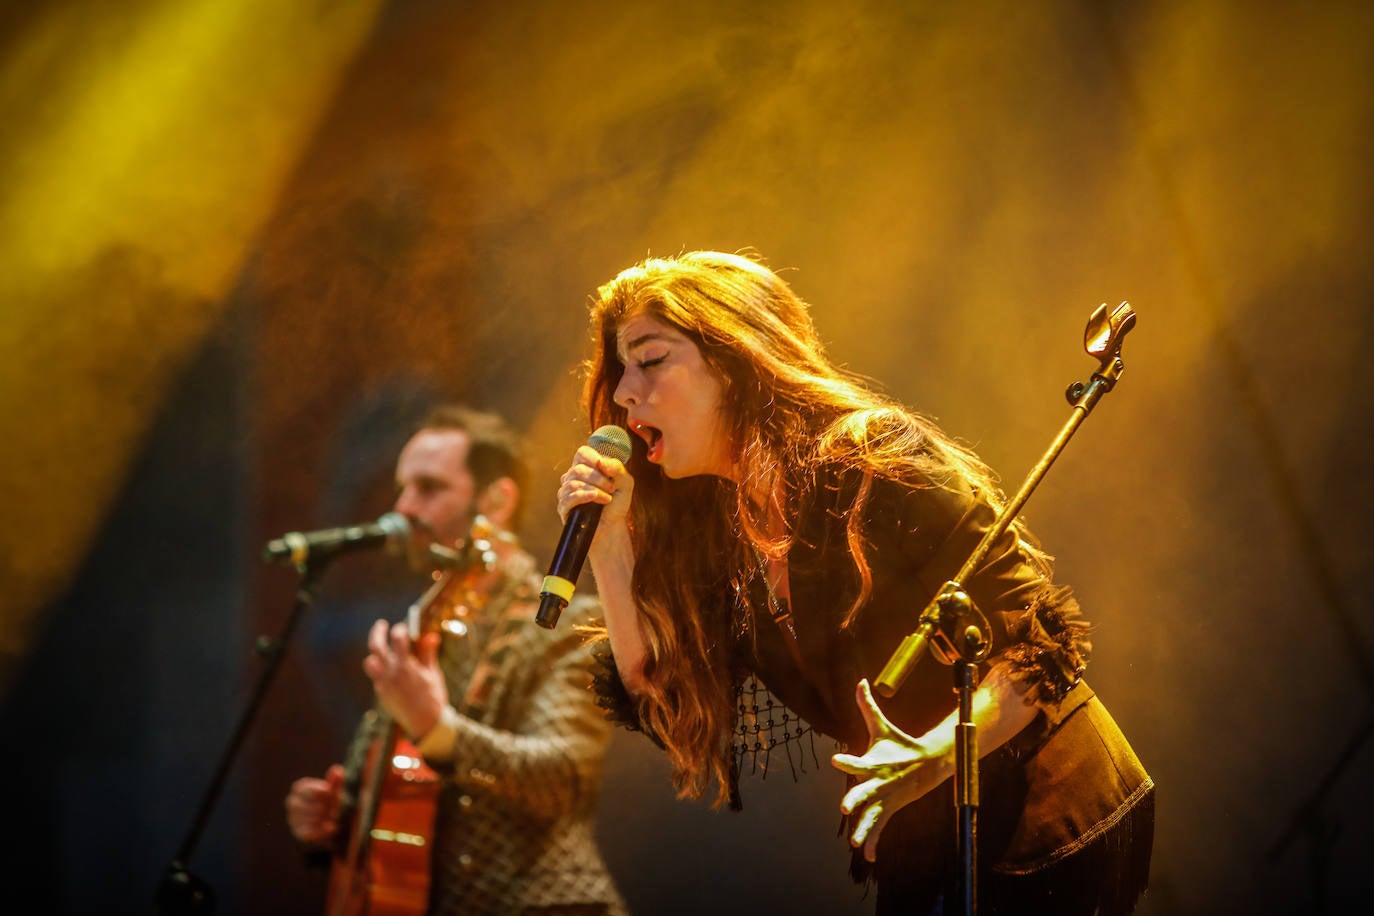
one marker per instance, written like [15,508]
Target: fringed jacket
[1069,781]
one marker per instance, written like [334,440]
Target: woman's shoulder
[910,481]
[893,507]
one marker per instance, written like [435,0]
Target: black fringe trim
[611,696]
[736,800]
[1126,850]
[1118,861]
[1049,648]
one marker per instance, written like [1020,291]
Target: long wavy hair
[788,411]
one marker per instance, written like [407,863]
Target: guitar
[383,867]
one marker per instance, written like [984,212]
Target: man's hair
[495,450]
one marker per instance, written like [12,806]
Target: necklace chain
[778,609]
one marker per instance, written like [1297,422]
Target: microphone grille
[397,528]
[611,441]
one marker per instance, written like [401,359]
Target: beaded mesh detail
[766,725]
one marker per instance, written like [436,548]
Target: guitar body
[384,871]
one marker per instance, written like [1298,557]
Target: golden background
[325,201]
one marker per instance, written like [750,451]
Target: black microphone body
[391,531]
[578,531]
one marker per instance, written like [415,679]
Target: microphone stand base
[183,893]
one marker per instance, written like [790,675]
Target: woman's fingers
[575,493]
[886,770]
[877,723]
[593,470]
[868,828]
[583,482]
[593,478]
[852,764]
[858,796]
[870,840]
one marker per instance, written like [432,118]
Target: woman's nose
[626,393]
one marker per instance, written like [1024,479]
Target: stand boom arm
[1102,339]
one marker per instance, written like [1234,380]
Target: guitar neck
[376,758]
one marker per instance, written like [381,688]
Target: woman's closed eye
[650,363]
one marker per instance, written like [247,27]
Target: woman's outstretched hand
[896,770]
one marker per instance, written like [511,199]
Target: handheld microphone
[391,531]
[561,582]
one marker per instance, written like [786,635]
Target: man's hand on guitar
[409,683]
[312,807]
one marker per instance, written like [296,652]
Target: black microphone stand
[180,891]
[952,611]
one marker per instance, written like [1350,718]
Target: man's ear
[497,501]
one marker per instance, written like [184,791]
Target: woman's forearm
[612,560]
[999,714]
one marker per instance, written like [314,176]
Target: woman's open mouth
[653,438]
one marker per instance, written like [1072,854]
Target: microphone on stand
[391,531]
[578,531]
